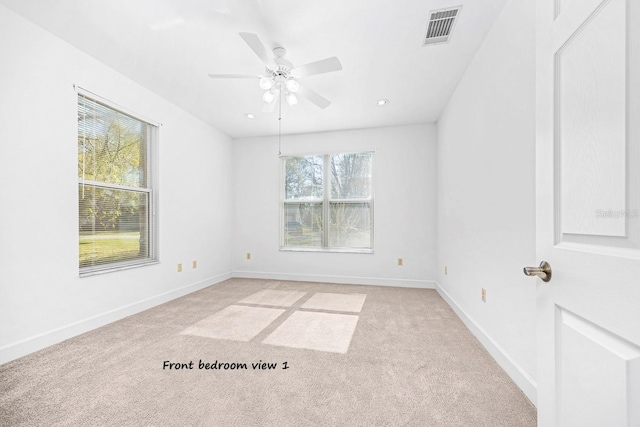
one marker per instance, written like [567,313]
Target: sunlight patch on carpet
[236,322]
[273,297]
[315,331]
[336,302]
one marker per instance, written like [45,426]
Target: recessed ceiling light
[382,102]
[250,116]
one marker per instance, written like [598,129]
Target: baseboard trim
[38,342]
[523,380]
[347,280]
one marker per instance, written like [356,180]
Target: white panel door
[588,212]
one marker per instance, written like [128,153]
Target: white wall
[404,175]
[486,194]
[42,299]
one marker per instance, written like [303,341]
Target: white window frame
[151,190]
[326,202]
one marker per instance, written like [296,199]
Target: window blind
[115,188]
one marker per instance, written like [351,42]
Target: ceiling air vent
[441,25]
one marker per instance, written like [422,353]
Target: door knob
[543,272]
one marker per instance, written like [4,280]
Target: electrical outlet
[179,267]
[400,261]
[248,255]
[484,295]
[194,264]
[445,270]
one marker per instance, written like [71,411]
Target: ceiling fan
[280,78]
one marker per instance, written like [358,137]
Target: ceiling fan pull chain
[280,123]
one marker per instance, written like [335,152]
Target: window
[115,188]
[328,202]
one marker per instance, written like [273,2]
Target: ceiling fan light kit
[266,83]
[269,96]
[291,99]
[292,85]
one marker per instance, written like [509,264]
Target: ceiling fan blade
[270,106]
[234,76]
[256,45]
[320,101]
[319,67]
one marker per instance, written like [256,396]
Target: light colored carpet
[315,331]
[336,302]
[236,322]
[273,297]
[411,362]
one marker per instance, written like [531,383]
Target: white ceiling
[169,46]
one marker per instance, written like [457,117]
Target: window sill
[92,271]
[327,250]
